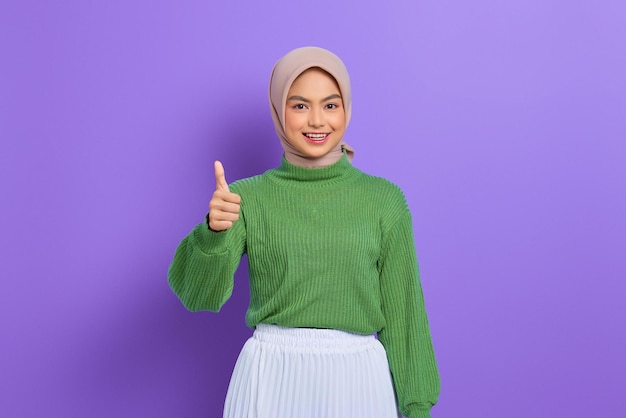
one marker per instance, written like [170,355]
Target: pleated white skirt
[310,373]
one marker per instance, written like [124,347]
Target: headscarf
[285,72]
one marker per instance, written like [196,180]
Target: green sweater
[328,247]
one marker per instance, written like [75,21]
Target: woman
[331,263]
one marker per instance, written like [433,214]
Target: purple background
[503,122]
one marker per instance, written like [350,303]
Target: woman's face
[315,120]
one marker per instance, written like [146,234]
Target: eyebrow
[303,99]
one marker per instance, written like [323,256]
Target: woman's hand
[224,205]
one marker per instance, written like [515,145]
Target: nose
[316,118]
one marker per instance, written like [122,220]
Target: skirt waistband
[311,338]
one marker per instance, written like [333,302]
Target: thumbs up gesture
[224,205]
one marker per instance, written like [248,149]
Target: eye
[299,106]
[332,106]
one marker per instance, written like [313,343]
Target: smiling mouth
[316,138]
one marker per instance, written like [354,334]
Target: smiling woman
[331,262]
[315,120]
[291,81]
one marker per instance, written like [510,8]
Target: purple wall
[504,123]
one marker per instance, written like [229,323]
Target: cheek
[338,121]
[292,122]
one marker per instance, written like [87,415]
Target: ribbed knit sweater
[328,247]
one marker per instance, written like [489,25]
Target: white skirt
[310,373]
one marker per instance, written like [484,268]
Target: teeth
[316,136]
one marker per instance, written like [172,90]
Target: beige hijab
[286,70]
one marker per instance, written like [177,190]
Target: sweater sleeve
[406,335]
[203,269]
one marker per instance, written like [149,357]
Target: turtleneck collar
[335,173]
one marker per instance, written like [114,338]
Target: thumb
[220,178]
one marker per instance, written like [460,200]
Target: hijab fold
[285,72]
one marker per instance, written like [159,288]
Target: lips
[316,137]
